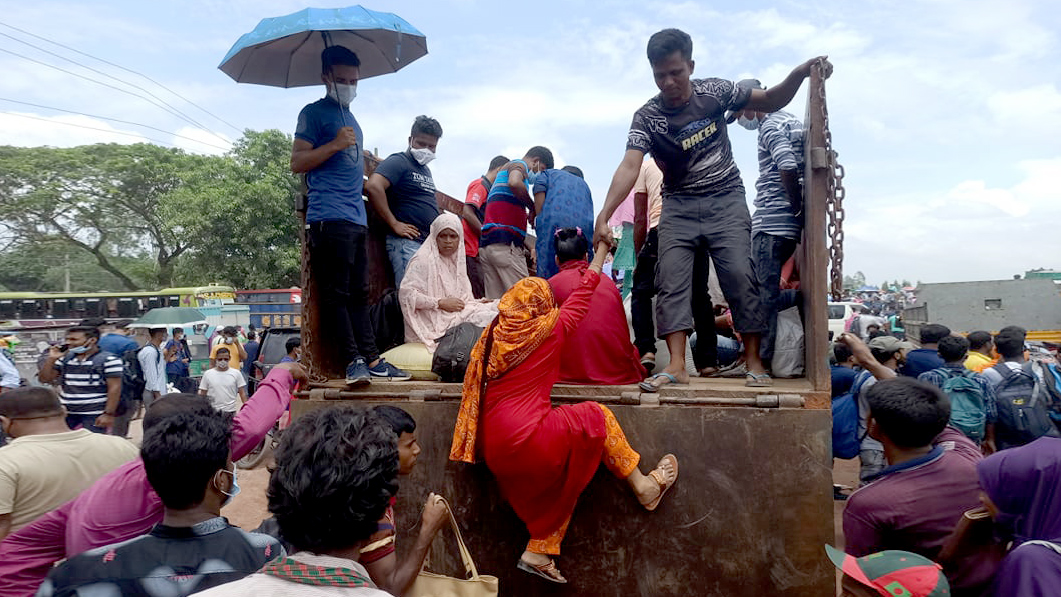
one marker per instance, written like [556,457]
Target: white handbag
[429,584]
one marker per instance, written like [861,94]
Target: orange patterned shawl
[527,315]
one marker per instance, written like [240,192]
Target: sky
[945,113]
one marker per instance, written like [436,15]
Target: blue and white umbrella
[286,51]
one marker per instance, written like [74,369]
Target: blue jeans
[400,251]
[769,254]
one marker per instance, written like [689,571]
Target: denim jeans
[400,251]
[769,254]
[339,261]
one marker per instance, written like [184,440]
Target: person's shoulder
[712,86]
[268,546]
[651,107]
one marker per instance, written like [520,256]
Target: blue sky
[946,113]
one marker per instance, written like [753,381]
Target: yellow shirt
[234,361]
[978,361]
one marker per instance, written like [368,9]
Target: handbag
[454,351]
[429,584]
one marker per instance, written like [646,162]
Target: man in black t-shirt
[403,193]
[704,209]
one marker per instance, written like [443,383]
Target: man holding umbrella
[328,149]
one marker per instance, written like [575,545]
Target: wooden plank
[814,257]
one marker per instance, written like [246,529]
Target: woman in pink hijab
[436,293]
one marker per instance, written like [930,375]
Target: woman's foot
[658,482]
[541,565]
[663,378]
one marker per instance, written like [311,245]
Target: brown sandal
[547,571]
[657,476]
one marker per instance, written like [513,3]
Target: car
[839,314]
[270,351]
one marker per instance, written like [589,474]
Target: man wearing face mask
[777,221]
[186,457]
[402,192]
[509,207]
[224,384]
[328,149]
[90,380]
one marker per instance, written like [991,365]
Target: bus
[28,309]
[273,307]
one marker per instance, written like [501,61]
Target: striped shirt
[780,148]
[83,382]
[505,216]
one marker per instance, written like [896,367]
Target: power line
[146,126]
[95,128]
[128,70]
[174,112]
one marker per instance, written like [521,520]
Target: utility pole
[66,276]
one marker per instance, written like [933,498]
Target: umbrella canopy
[165,317]
[286,51]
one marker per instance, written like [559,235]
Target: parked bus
[273,307]
[27,309]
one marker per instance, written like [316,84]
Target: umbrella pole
[327,43]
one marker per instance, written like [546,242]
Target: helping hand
[827,67]
[602,233]
[434,516]
[298,372]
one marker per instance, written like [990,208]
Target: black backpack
[133,380]
[454,351]
[1022,410]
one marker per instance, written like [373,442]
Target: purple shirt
[914,506]
[121,505]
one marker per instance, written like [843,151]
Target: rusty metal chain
[834,203]
[309,346]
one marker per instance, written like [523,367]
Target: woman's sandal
[547,571]
[758,380]
[657,475]
[649,386]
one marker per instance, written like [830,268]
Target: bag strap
[466,556]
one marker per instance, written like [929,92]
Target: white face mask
[344,94]
[423,156]
[749,123]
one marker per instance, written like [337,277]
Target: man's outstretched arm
[622,182]
[779,96]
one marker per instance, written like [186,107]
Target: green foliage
[143,216]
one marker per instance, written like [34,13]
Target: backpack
[966,403]
[1022,412]
[454,351]
[846,440]
[133,380]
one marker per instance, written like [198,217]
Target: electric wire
[95,128]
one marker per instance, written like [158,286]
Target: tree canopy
[127,217]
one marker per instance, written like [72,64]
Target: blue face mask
[235,486]
[79,350]
[532,177]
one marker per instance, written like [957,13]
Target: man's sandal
[547,571]
[657,475]
[758,380]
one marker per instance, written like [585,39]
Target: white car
[839,313]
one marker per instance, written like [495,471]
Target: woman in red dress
[543,457]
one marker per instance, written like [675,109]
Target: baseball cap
[888,344]
[746,84]
[894,573]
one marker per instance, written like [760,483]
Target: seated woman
[436,293]
[1022,491]
[543,457]
[599,351]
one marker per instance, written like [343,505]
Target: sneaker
[385,371]
[357,373]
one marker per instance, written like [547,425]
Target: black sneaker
[357,373]
[384,371]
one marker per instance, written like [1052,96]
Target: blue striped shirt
[83,387]
[780,148]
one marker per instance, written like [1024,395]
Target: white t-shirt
[222,387]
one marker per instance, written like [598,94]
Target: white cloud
[30,130]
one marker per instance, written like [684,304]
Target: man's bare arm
[640,220]
[304,157]
[779,96]
[472,218]
[622,182]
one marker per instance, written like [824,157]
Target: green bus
[29,308]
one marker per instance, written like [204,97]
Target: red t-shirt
[478,189]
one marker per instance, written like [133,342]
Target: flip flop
[648,364]
[648,386]
[657,476]
[547,571]
[737,370]
[714,372]
[758,380]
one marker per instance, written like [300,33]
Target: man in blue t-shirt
[328,150]
[925,358]
[402,192]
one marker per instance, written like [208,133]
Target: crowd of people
[941,429]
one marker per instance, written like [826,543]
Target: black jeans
[705,354]
[769,254]
[340,267]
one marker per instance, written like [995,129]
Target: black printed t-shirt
[411,196]
[690,143]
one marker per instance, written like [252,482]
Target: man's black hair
[878,333]
[183,451]
[497,162]
[174,403]
[251,336]
[30,402]
[218,352]
[570,245]
[1010,342]
[979,339]
[229,330]
[90,331]
[574,170]
[336,470]
[399,420]
[664,43]
[337,56]
[178,331]
[933,333]
[952,349]
[94,322]
[911,413]
[543,154]
[841,352]
[425,125]
[292,343]
[153,331]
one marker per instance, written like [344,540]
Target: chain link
[834,202]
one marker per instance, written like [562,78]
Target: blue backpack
[966,395]
[846,439]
